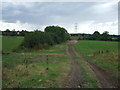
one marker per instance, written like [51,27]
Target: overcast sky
[89,16]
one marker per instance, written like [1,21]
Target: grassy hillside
[102,53]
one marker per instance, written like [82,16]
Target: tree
[118,37]
[22,33]
[6,32]
[59,34]
[96,35]
[13,33]
[0,32]
[105,36]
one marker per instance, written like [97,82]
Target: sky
[89,16]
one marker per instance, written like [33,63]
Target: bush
[39,40]
[59,34]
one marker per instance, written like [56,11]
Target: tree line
[97,36]
[7,32]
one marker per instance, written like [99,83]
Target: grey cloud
[49,13]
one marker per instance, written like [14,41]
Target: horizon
[68,32]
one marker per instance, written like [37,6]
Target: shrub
[37,40]
[52,35]
[59,34]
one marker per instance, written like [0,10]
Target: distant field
[9,43]
[102,53]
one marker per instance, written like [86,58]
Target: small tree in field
[96,35]
[59,34]
[105,36]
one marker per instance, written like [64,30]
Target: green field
[9,43]
[29,69]
[102,53]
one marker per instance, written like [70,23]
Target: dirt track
[74,79]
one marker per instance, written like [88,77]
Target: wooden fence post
[47,62]
[26,62]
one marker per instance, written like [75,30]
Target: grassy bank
[102,53]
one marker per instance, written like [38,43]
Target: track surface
[74,79]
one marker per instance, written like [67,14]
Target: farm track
[74,79]
[105,79]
